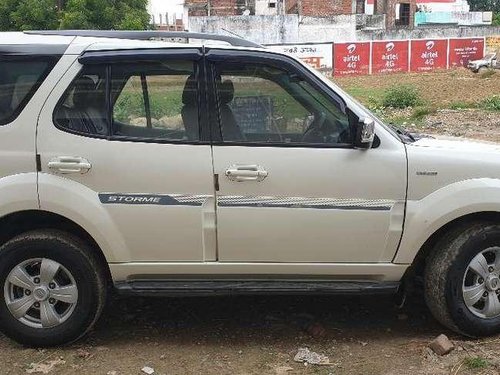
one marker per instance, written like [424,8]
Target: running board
[176,288]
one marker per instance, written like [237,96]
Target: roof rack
[148,35]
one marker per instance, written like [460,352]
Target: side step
[177,288]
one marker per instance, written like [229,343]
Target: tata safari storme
[160,168]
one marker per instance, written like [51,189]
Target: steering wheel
[345,135]
[314,127]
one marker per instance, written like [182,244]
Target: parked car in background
[489,61]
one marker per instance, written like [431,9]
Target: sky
[164,6]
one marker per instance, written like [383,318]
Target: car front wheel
[53,288]
[462,281]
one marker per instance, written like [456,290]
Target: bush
[402,96]
[475,363]
[462,105]
[420,112]
[492,103]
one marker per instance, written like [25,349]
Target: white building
[165,12]
[443,5]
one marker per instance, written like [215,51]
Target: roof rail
[147,35]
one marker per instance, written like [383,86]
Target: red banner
[351,58]
[463,50]
[428,55]
[390,56]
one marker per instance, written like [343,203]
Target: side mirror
[365,133]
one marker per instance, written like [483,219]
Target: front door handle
[241,173]
[69,164]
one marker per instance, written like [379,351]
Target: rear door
[125,141]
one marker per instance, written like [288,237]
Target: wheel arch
[418,265]
[19,222]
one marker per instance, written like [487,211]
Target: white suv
[156,168]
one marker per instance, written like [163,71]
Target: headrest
[226,91]
[189,96]
[84,92]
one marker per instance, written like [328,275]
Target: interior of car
[255,104]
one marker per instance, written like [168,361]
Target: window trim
[145,97]
[139,55]
[51,61]
[214,56]
[105,59]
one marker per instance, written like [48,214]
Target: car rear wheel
[482,69]
[462,280]
[54,289]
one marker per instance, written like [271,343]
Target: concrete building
[443,5]
[313,17]
[168,14]
[400,13]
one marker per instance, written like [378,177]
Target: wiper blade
[403,132]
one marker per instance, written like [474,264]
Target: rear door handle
[69,164]
[242,173]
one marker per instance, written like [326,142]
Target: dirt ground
[440,91]
[440,88]
[468,123]
[261,335]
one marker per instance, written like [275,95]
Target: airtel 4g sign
[428,55]
[390,56]
[351,58]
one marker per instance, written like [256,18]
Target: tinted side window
[156,100]
[153,100]
[83,106]
[264,104]
[20,77]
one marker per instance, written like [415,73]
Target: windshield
[489,56]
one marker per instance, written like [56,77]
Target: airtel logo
[429,45]
[389,46]
[351,48]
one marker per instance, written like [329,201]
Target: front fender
[425,216]
[80,204]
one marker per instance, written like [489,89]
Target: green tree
[75,14]
[485,5]
[7,7]
[496,19]
[36,15]
[105,14]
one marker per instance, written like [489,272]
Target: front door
[122,147]
[291,186]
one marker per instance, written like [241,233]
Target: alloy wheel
[40,293]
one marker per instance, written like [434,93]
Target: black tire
[444,276]
[76,256]
[482,69]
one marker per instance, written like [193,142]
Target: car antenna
[230,32]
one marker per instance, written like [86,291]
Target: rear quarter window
[20,77]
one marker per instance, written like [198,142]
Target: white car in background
[489,61]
